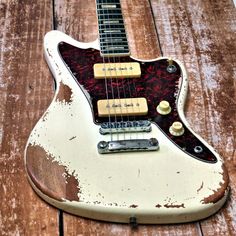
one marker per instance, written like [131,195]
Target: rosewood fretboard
[112,35]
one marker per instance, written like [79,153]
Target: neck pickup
[117,70]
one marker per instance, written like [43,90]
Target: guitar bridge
[133,145]
[125,127]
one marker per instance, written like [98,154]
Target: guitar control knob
[177,129]
[164,108]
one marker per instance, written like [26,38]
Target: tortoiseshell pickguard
[155,84]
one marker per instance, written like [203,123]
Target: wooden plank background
[202,34]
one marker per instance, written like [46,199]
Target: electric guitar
[114,144]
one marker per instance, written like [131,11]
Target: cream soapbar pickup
[117,70]
[122,107]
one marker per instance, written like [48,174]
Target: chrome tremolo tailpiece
[132,145]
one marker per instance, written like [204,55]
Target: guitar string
[106,17]
[122,80]
[116,84]
[116,72]
[131,95]
[130,84]
[105,73]
[110,38]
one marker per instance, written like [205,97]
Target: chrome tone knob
[177,129]
[164,108]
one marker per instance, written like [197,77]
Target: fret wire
[115,42]
[108,14]
[115,46]
[101,38]
[102,26]
[117,19]
[118,31]
[111,24]
[111,27]
[106,17]
[109,10]
[105,27]
[115,51]
[108,2]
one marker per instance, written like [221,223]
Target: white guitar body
[65,168]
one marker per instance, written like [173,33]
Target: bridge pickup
[117,70]
[122,107]
[133,145]
[125,127]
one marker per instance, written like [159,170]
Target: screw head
[102,144]
[171,69]
[153,141]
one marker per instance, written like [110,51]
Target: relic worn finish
[104,193]
[51,177]
[198,34]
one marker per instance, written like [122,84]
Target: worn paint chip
[49,176]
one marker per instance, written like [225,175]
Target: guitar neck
[112,35]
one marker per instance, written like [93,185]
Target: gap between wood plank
[158,38]
[60,212]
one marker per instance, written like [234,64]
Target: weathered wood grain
[140,28]
[25,92]
[79,226]
[199,33]
[202,34]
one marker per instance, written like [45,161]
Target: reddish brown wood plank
[79,226]
[70,19]
[202,35]
[140,29]
[25,92]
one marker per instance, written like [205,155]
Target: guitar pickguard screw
[198,149]
[171,69]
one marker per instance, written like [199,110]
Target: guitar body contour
[176,183]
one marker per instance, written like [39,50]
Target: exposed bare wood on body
[51,178]
[64,93]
